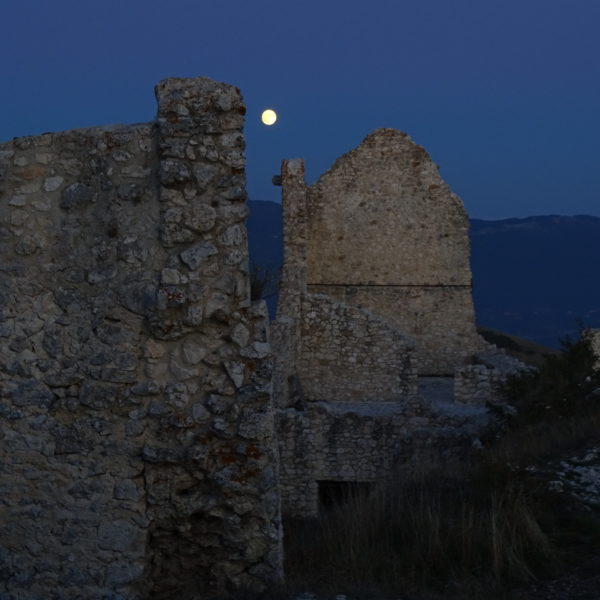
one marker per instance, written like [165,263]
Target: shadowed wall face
[136,426]
[385,233]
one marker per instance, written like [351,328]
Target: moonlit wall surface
[503,95]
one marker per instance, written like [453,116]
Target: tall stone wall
[385,233]
[137,455]
[326,349]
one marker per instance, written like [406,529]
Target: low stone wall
[347,354]
[136,427]
[363,443]
[479,383]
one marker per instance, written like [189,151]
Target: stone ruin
[137,455]
[378,361]
[147,436]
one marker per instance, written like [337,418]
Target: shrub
[562,387]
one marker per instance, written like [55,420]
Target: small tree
[563,386]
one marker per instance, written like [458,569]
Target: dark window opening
[338,493]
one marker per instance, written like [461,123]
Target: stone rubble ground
[578,475]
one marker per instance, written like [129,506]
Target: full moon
[269,117]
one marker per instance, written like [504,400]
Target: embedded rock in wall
[136,426]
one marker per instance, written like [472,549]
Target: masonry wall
[348,355]
[136,428]
[439,318]
[326,349]
[363,443]
[385,233]
[481,382]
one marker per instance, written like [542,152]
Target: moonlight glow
[269,117]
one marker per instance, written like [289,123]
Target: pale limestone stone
[240,335]
[235,370]
[51,184]
[43,204]
[18,201]
[193,351]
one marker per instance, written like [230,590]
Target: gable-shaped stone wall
[385,233]
[137,455]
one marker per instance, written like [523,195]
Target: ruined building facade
[148,435]
[137,455]
[379,364]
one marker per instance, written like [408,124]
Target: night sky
[505,95]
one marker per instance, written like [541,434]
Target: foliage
[562,387]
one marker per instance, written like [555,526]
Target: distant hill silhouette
[537,277]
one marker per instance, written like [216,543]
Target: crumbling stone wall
[375,290]
[137,456]
[385,233]
[329,350]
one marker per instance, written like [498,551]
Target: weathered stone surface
[76,195]
[115,243]
[375,291]
[381,231]
[364,442]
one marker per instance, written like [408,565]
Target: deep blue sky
[504,94]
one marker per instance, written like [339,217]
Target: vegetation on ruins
[496,520]
[264,282]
